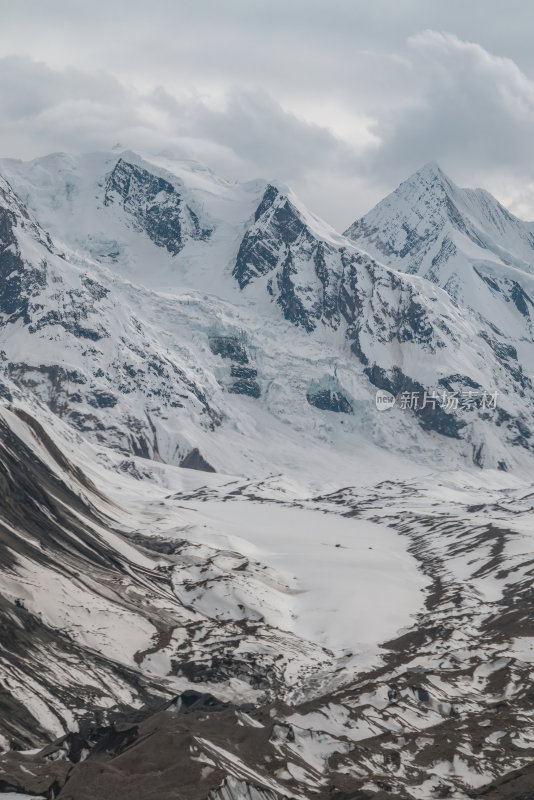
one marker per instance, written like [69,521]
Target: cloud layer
[340,101]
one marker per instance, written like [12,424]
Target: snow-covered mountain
[226,573]
[187,312]
[463,240]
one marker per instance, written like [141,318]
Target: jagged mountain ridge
[389,322]
[257,252]
[463,240]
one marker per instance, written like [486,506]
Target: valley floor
[374,641]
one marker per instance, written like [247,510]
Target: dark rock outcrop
[330,400]
[154,206]
[194,460]
[246,386]
[228,347]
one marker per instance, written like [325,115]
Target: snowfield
[349,584]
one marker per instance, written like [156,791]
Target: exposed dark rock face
[276,243]
[521,299]
[19,283]
[337,287]
[289,298]
[245,386]
[432,418]
[63,390]
[194,460]
[258,255]
[155,207]
[228,347]
[103,400]
[330,400]
[247,373]
[506,355]
[451,382]
[243,377]
[78,314]
[22,283]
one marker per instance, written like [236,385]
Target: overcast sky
[341,99]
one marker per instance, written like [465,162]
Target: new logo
[384,400]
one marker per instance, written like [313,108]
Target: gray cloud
[249,135]
[472,111]
[470,106]
[342,100]
[258,130]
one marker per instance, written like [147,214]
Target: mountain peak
[431,178]
[427,195]
[430,170]
[432,227]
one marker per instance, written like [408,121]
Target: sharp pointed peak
[430,168]
[429,179]
[428,185]
[430,173]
